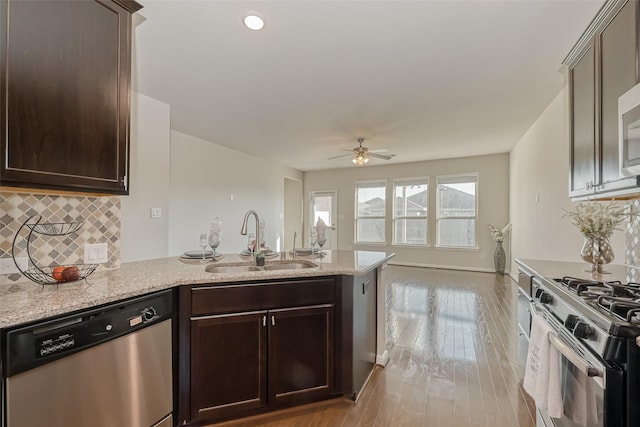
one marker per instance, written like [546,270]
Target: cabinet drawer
[261,296]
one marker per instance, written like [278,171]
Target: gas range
[594,323]
[599,313]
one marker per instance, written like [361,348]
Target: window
[456,211]
[410,211]
[370,211]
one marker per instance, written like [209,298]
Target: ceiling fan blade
[351,151]
[379,150]
[381,156]
[341,155]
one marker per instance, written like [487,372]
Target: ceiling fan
[362,154]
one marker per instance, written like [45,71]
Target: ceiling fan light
[360,159]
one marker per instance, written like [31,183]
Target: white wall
[192,181]
[493,206]
[204,179]
[292,213]
[539,176]
[141,236]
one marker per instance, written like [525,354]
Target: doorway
[323,204]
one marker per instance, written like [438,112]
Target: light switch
[156,212]
[96,253]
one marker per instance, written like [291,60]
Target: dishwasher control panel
[42,342]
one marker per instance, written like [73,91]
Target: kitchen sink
[245,268]
[290,265]
[231,268]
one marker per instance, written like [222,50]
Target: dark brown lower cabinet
[249,348]
[301,354]
[229,364]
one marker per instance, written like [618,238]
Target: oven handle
[574,358]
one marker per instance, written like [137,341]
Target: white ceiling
[423,79]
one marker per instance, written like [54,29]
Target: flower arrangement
[597,220]
[498,235]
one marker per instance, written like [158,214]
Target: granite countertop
[27,301]
[580,270]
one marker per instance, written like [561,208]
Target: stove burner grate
[589,289]
[624,308]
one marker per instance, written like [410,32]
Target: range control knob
[570,321]
[582,330]
[148,313]
[545,298]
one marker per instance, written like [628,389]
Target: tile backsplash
[632,236]
[101,216]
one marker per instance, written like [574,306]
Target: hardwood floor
[454,362]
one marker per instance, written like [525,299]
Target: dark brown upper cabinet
[65,70]
[602,67]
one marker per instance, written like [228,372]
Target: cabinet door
[65,94]
[618,47]
[301,354]
[582,98]
[228,365]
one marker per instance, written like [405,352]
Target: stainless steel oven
[594,325]
[592,390]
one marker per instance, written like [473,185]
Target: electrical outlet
[156,212]
[96,253]
[7,266]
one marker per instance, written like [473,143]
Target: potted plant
[597,222]
[260,258]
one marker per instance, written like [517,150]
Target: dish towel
[542,371]
[580,403]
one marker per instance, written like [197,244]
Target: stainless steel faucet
[243,231]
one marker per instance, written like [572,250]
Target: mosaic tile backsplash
[101,216]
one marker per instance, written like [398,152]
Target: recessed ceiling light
[253,21]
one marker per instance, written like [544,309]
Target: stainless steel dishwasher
[105,367]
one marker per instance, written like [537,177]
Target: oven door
[592,392]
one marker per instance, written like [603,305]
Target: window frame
[376,183]
[451,179]
[421,180]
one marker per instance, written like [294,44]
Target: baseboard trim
[383,359]
[444,267]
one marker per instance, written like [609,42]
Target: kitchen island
[245,341]
[26,301]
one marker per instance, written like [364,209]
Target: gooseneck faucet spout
[243,230]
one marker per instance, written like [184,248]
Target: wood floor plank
[454,360]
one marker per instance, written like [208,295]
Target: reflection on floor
[454,361]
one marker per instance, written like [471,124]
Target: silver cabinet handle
[273,320]
[574,358]
[264,320]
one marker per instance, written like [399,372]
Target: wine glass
[321,239]
[214,242]
[203,244]
[312,240]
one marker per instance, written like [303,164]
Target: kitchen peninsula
[27,301]
[245,342]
